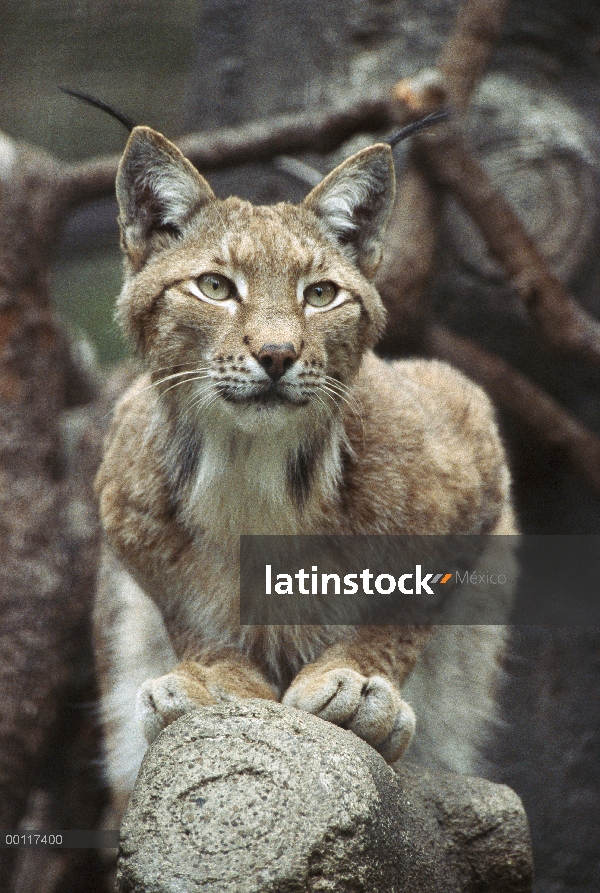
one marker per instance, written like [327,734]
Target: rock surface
[257,797]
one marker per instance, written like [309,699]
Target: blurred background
[188,65]
[139,56]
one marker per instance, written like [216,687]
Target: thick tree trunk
[48,548]
[34,575]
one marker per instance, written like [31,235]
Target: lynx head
[260,312]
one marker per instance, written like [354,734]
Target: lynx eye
[214,286]
[320,294]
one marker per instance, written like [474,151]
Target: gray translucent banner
[98,840]
[373,580]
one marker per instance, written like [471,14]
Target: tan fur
[198,455]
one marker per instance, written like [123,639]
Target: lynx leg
[455,684]
[191,685]
[355,684]
[131,644]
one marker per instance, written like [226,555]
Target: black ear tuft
[416,126]
[100,104]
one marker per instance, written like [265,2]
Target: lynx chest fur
[262,409]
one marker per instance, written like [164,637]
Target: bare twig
[514,392]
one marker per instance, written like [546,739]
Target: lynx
[262,409]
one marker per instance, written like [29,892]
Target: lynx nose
[276,359]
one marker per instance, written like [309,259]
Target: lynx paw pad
[371,707]
[163,700]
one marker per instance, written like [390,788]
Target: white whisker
[349,399]
[327,409]
[203,400]
[319,406]
[160,381]
[185,381]
[348,393]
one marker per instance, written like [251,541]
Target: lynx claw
[161,701]
[371,707]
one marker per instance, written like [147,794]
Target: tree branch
[514,392]
[454,165]
[470,46]
[564,324]
[411,237]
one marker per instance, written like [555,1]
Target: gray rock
[258,797]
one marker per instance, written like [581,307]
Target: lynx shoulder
[262,409]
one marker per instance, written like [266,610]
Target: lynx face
[261,314]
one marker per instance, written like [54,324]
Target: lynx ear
[354,203]
[158,191]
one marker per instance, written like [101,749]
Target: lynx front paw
[192,685]
[371,707]
[163,700]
